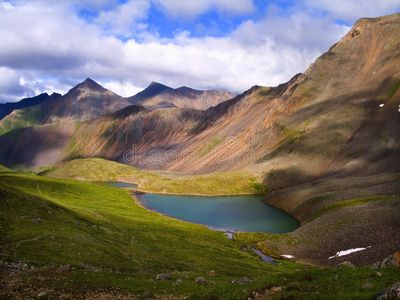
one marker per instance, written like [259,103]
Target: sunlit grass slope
[4,169]
[114,247]
[97,169]
[52,222]
[81,223]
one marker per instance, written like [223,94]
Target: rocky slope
[326,143]
[86,101]
[28,112]
[7,108]
[339,118]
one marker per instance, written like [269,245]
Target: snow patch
[381,105]
[347,252]
[287,256]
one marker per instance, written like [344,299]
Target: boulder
[347,264]
[161,277]
[177,282]
[391,293]
[367,285]
[389,261]
[64,268]
[201,280]
[244,280]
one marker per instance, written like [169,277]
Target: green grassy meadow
[97,169]
[50,222]
[82,240]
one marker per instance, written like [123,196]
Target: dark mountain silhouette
[9,107]
[157,96]
[151,91]
[84,102]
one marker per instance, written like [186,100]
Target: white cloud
[125,19]
[124,89]
[349,11]
[193,8]
[215,62]
[298,30]
[15,85]
[51,48]
[52,42]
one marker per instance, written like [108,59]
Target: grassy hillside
[49,222]
[4,169]
[21,118]
[96,169]
[71,239]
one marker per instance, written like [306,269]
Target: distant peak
[91,84]
[154,84]
[185,88]
[152,90]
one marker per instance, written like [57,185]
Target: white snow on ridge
[287,256]
[347,252]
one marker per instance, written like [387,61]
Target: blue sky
[49,46]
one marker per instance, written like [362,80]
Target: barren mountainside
[339,118]
[7,108]
[324,147]
[86,101]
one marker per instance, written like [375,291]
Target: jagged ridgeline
[340,116]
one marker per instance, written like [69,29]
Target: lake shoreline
[141,191]
[228,213]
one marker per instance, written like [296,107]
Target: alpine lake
[235,213]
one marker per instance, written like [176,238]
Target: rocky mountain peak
[91,85]
[152,90]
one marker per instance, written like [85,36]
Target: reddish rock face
[326,121]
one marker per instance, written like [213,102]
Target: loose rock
[389,261]
[64,268]
[276,289]
[391,293]
[201,280]
[244,280]
[160,277]
[146,295]
[178,282]
[367,285]
[347,264]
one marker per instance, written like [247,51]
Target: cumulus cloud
[48,46]
[193,8]
[349,11]
[125,20]
[124,89]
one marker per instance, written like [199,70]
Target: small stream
[230,235]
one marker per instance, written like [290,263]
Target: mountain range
[318,124]
[89,100]
[324,147]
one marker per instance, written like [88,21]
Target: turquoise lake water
[118,184]
[243,213]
